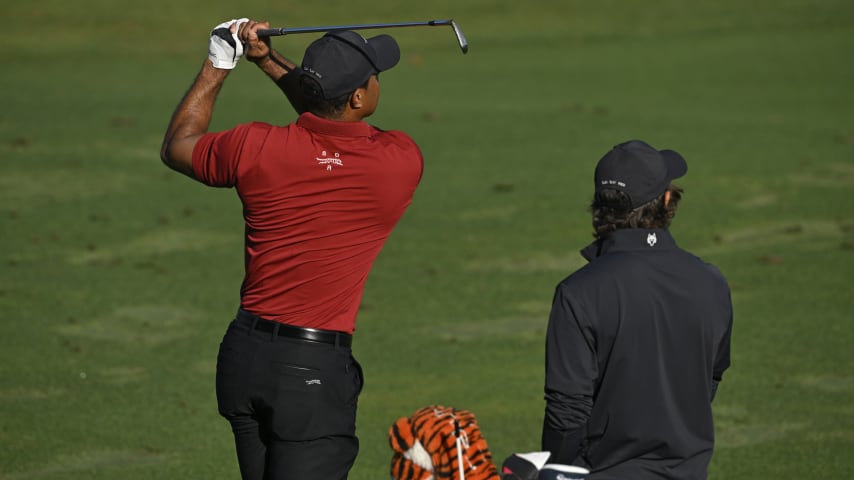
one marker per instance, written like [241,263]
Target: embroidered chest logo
[327,160]
[651,239]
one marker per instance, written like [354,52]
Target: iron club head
[464,44]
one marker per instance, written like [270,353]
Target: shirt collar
[631,240]
[335,128]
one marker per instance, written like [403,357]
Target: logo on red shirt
[325,159]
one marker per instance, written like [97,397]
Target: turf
[117,276]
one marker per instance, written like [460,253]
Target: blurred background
[118,276]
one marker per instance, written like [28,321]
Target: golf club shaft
[461,39]
[269,32]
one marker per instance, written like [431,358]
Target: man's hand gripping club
[225,48]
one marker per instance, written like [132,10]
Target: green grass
[117,276]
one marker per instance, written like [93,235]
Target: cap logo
[313,72]
[613,182]
[651,239]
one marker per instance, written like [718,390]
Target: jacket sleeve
[722,357]
[571,376]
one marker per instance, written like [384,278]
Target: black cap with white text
[638,170]
[342,61]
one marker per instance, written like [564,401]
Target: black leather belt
[291,331]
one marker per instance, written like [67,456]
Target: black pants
[291,403]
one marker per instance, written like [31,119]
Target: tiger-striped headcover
[425,446]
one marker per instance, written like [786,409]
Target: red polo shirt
[320,198]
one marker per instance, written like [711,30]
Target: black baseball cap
[342,61]
[639,170]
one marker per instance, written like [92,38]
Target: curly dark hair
[611,210]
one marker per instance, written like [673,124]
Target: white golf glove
[225,48]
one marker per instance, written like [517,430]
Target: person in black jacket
[639,338]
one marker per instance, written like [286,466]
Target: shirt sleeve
[571,375]
[216,156]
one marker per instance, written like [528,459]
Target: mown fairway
[118,276]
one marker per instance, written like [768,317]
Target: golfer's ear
[357,98]
[666,198]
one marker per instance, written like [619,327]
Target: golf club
[464,46]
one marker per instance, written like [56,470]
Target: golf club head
[516,468]
[562,472]
[523,466]
[464,44]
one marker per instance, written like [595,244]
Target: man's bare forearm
[272,63]
[275,65]
[192,119]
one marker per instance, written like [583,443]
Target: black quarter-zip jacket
[636,343]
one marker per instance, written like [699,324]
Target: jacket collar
[631,240]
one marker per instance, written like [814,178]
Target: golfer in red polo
[320,197]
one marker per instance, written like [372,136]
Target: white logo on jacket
[651,239]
